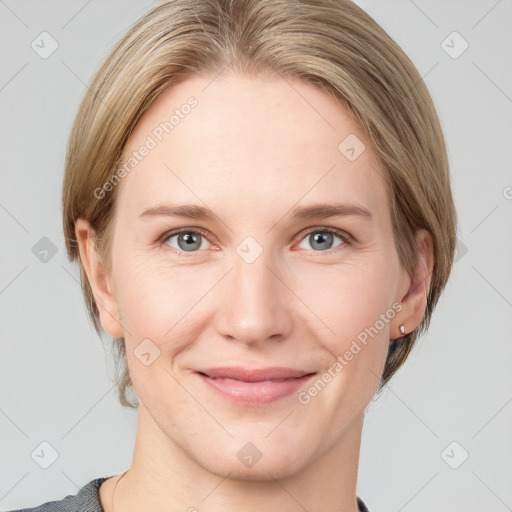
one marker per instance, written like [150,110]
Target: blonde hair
[332,44]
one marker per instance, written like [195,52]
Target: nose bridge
[254,307]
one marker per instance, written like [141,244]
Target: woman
[258,196]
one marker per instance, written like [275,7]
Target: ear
[414,300]
[98,279]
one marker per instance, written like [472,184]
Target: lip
[254,387]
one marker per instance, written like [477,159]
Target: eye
[322,239]
[186,240]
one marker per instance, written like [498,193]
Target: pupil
[191,241]
[318,238]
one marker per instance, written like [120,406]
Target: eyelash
[345,237]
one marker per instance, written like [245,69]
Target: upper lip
[253,375]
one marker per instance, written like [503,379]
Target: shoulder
[361,506]
[85,500]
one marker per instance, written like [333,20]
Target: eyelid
[346,237]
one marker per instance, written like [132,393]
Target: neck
[163,477]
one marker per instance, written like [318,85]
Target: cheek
[353,306]
[160,302]
[155,307]
[350,297]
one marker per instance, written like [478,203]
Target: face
[264,281]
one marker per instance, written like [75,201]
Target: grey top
[87,500]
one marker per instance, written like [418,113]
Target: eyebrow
[315,211]
[323,211]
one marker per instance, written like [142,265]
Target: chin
[248,465]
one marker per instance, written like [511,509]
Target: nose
[256,303]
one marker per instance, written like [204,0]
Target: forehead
[270,140]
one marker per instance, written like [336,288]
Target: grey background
[56,374]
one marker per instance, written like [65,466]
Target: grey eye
[321,240]
[187,241]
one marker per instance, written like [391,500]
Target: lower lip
[255,393]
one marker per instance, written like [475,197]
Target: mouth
[254,387]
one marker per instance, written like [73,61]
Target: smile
[254,387]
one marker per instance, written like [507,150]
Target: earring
[402,329]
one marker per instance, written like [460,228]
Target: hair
[332,44]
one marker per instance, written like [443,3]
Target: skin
[252,149]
